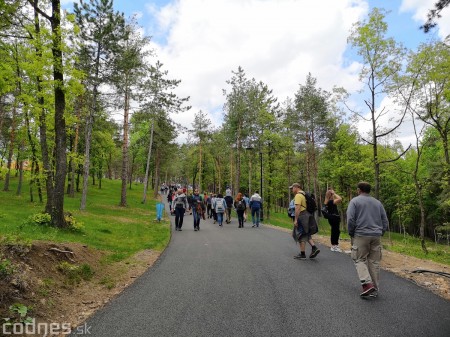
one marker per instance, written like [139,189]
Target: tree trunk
[87,151]
[89,124]
[376,163]
[2,113]
[75,146]
[48,173]
[12,137]
[33,164]
[238,161]
[34,176]
[157,172]
[38,182]
[123,195]
[131,170]
[147,169]
[19,185]
[70,182]
[110,166]
[200,167]
[60,122]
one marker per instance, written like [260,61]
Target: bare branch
[398,157]
[370,143]
[40,11]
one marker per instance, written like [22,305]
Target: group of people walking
[366,222]
[213,206]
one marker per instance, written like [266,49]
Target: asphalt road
[245,282]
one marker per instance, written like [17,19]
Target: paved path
[245,282]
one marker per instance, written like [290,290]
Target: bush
[41,219]
[45,219]
[72,223]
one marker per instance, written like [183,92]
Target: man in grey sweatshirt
[367,222]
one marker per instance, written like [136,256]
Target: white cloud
[277,42]
[420,8]
[404,134]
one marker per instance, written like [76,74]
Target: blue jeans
[197,216]
[255,216]
[220,218]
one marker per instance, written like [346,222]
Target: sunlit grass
[120,230]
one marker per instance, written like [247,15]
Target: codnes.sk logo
[42,329]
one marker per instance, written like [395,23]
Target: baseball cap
[295,185]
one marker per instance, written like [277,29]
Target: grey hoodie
[366,217]
[180,201]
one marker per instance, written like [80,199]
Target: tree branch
[367,141]
[40,11]
[398,157]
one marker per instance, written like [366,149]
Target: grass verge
[398,243]
[122,231]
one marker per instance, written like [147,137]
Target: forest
[83,97]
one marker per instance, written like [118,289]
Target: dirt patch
[39,280]
[403,266]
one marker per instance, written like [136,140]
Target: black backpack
[241,205]
[311,205]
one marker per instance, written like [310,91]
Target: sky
[278,42]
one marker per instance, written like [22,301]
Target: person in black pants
[331,201]
[180,204]
[229,201]
[240,206]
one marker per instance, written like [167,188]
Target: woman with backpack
[220,207]
[334,219]
[240,206]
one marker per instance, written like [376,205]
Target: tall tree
[200,131]
[382,61]
[57,214]
[129,71]
[99,25]
[158,101]
[237,114]
[312,119]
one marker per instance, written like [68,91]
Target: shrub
[72,223]
[42,219]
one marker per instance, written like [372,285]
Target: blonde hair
[328,196]
[239,196]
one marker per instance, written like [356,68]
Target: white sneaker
[336,249]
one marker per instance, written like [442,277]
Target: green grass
[122,231]
[398,243]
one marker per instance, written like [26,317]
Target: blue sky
[276,41]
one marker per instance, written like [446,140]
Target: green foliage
[73,224]
[41,219]
[19,314]
[108,227]
[44,219]
[75,273]
[6,268]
